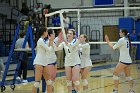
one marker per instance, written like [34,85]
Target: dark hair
[127,35]
[39,33]
[64,14]
[50,31]
[73,31]
[85,36]
[22,34]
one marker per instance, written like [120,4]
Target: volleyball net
[96,23]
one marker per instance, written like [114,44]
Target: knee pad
[69,83]
[37,84]
[76,83]
[129,78]
[49,82]
[115,77]
[85,82]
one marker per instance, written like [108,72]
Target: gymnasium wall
[74,3]
[130,24]
[97,23]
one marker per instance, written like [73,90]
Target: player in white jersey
[86,62]
[51,61]
[40,59]
[125,61]
[72,61]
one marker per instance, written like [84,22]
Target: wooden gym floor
[100,80]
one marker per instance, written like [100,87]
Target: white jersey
[71,50]
[51,56]
[123,46]
[85,55]
[41,49]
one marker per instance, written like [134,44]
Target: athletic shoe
[74,91]
[24,81]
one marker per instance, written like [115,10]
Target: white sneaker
[131,91]
[24,81]
[18,78]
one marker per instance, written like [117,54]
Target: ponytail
[39,33]
[86,37]
[127,35]
[87,40]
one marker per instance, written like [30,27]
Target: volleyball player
[72,60]
[86,62]
[125,61]
[40,59]
[52,65]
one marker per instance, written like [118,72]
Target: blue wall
[127,23]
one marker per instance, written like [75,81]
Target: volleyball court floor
[100,80]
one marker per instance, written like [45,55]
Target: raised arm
[42,44]
[116,46]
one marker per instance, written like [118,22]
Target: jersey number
[127,45]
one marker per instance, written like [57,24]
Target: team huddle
[77,59]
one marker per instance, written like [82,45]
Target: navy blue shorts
[75,65]
[126,63]
[53,63]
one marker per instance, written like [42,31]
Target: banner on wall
[103,2]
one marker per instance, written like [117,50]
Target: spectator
[1,67]
[23,66]
[133,38]
[56,20]
[46,10]
[37,9]
[66,21]
[25,9]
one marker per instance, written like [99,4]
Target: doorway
[112,31]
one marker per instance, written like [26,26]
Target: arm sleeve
[59,47]
[86,49]
[118,44]
[47,48]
